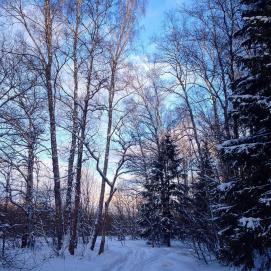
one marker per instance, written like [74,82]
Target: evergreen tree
[156,214]
[204,198]
[246,213]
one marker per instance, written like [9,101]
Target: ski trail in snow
[121,260]
[139,258]
[130,256]
[133,259]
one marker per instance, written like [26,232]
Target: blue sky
[153,19]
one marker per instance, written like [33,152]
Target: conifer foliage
[246,216]
[156,214]
[202,208]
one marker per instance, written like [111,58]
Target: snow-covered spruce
[244,214]
[157,212]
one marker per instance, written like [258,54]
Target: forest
[118,153]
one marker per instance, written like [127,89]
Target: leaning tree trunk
[194,127]
[105,218]
[99,216]
[107,203]
[106,159]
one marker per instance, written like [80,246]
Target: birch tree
[42,30]
[23,123]
[122,28]
[73,15]
[93,29]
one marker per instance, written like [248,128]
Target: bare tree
[174,54]
[75,40]
[200,52]
[42,29]
[11,65]
[125,146]
[97,16]
[22,122]
[125,213]
[121,31]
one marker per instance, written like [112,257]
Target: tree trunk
[58,202]
[106,158]
[51,109]
[73,239]
[99,216]
[27,238]
[74,121]
[194,127]
[6,211]
[165,205]
[105,216]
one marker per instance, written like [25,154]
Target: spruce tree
[156,214]
[204,198]
[245,211]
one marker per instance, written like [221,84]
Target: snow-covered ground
[127,256]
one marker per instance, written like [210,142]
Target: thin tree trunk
[105,215]
[105,167]
[58,202]
[6,210]
[105,218]
[74,121]
[51,109]
[73,239]
[107,203]
[225,90]
[166,213]
[27,238]
[194,127]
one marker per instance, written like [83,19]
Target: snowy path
[131,256]
[136,256]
